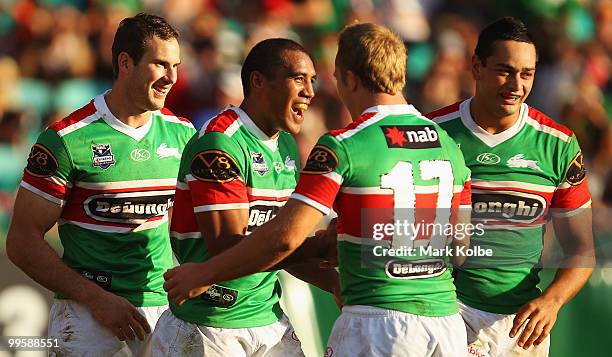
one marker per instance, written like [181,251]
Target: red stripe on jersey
[75,212]
[221,122]
[183,218]
[75,117]
[167,111]
[267,198]
[546,195]
[359,213]
[318,188]
[209,193]
[572,197]
[443,111]
[546,121]
[46,186]
[352,125]
[466,194]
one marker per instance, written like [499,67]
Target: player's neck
[366,100]
[259,117]
[491,122]
[119,105]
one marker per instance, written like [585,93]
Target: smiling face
[150,80]
[289,91]
[505,80]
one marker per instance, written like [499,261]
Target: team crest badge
[258,163]
[102,156]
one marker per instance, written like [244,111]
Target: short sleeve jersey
[519,177]
[232,164]
[115,184]
[390,158]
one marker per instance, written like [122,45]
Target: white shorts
[79,334]
[372,331]
[488,335]
[176,337]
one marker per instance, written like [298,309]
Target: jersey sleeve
[325,171]
[572,192]
[215,176]
[49,169]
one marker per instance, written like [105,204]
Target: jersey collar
[254,129]
[489,139]
[393,109]
[110,119]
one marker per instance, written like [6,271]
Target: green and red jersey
[115,184]
[519,177]
[232,164]
[390,158]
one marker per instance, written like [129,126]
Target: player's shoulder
[76,120]
[226,122]
[445,114]
[169,117]
[545,125]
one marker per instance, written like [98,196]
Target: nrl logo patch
[102,156]
[259,164]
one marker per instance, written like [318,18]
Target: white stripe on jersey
[334,177]
[129,194]
[140,184]
[325,210]
[186,235]
[79,124]
[220,207]
[59,181]
[267,203]
[266,192]
[174,119]
[387,191]
[571,213]
[42,194]
[546,129]
[512,184]
[114,229]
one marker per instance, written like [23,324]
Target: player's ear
[124,62]
[476,67]
[352,81]
[256,79]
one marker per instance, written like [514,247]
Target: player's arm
[26,247]
[572,222]
[275,240]
[576,239]
[266,246]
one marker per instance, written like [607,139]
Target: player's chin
[293,124]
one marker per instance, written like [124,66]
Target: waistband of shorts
[373,311]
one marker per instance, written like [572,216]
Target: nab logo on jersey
[411,136]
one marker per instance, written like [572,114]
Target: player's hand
[539,317]
[182,283]
[119,316]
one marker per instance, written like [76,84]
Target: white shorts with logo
[79,334]
[488,335]
[372,331]
[176,337]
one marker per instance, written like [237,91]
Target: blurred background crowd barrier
[55,55]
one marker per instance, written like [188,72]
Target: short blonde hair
[375,54]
